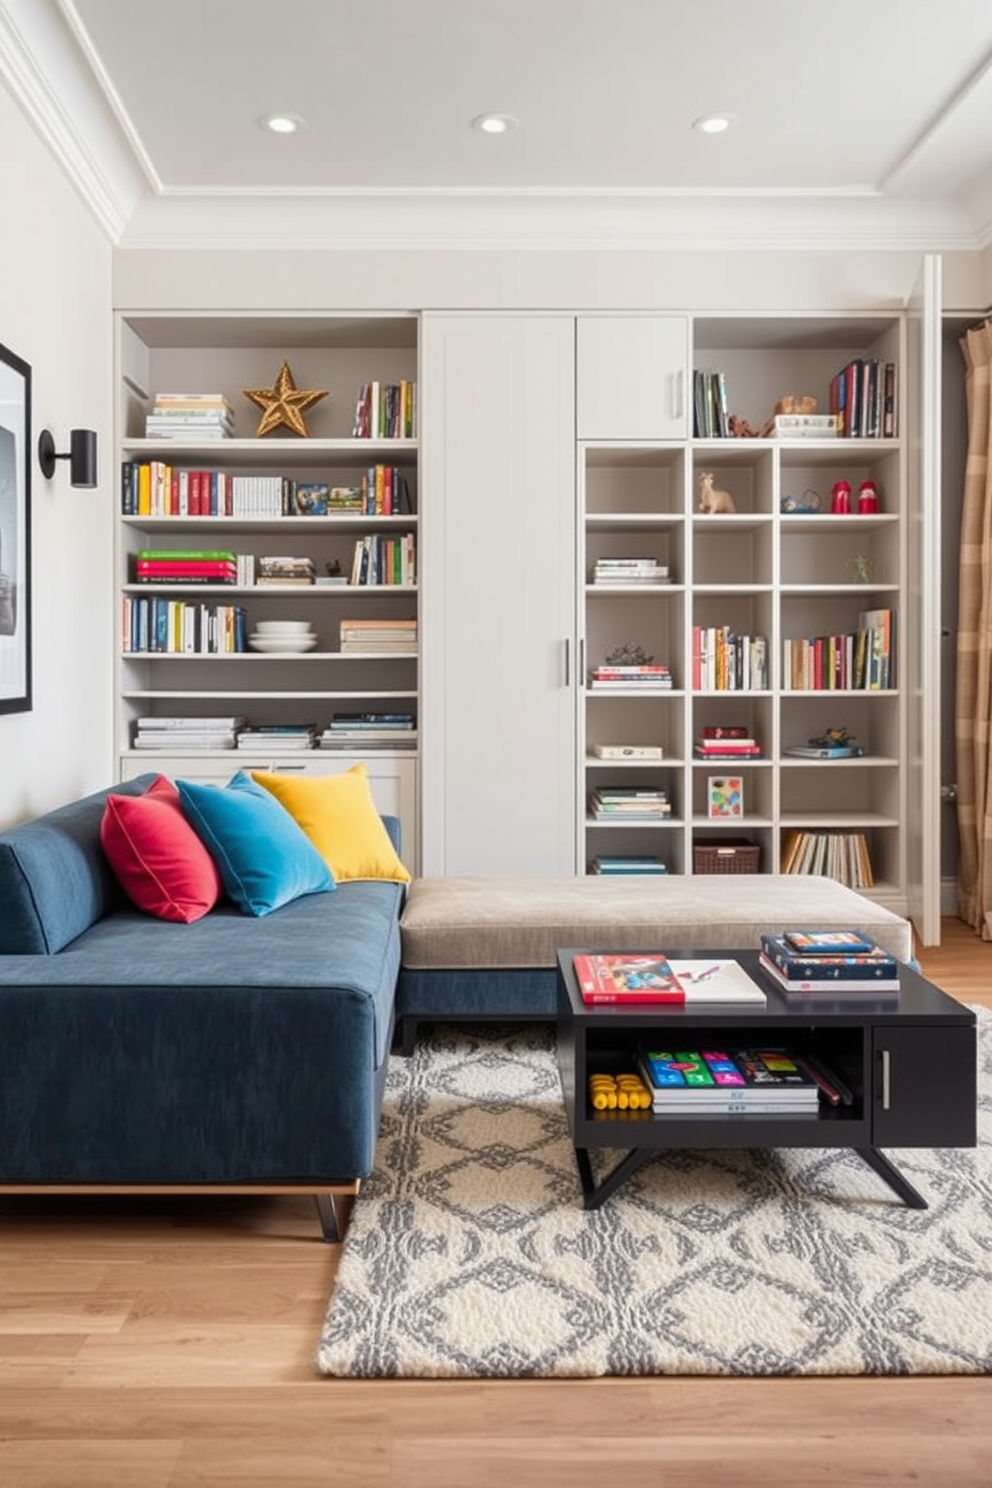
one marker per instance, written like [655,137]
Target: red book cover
[627,978]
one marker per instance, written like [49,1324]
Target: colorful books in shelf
[178,566]
[864,395]
[829,966]
[860,661]
[727,749]
[385,410]
[841,855]
[723,661]
[730,1081]
[650,677]
[628,977]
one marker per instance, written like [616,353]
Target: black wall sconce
[81,455]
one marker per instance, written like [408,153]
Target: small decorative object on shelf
[835,743]
[284,404]
[867,498]
[628,654]
[725,796]
[840,498]
[740,428]
[712,500]
[861,569]
[808,502]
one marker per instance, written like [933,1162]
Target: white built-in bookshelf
[211,353]
[760,571]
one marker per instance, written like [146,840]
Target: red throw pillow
[158,859]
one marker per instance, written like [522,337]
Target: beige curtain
[974,655]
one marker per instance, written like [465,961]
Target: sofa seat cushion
[520,921]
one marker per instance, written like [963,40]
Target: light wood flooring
[168,1343]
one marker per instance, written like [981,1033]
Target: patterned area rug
[468,1253]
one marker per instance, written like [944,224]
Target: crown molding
[41,69]
[553,221]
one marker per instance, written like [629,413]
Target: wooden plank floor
[168,1343]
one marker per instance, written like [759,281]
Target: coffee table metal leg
[594,1194]
[892,1176]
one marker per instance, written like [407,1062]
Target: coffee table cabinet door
[924,1086]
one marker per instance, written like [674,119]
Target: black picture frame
[15,533]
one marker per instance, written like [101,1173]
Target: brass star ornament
[284,404]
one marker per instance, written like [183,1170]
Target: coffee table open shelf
[910,1064]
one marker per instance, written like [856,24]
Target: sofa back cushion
[158,859]
[55,881]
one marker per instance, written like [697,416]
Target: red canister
[867,498]
[841,498]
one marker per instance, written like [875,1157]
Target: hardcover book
[624,978]
[839,966]
[829,942]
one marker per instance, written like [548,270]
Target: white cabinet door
[497,718]
[631,373]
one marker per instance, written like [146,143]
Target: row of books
[386,410]
[627,572]
[844,856]
[728,1082]
[861,660]
[155,488]
[358,732]
[378,559]
[723,661]
[864,395]
[181,566]
[181,627]
[734,744]
[610,678]
[710,412]
[190,416]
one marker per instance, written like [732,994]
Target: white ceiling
[864,119]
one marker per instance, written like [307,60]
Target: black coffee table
[910,1065]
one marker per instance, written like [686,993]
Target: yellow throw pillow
[339,816]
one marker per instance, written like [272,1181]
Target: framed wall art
[15,533]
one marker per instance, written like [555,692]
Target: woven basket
[732,855]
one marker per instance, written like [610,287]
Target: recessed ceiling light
[714,123]
[494,123]
[282,123]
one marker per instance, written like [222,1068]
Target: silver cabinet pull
[678,394]
[885,1080]
[567,661]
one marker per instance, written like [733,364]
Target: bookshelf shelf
[161,352]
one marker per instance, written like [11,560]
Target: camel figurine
[712,499]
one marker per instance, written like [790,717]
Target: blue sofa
[143,1055]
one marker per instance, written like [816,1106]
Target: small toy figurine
[711,500]
[861,569]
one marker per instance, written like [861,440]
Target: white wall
[55,313]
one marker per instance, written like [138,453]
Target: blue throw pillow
[264,859]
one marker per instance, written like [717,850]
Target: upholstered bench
[484,947]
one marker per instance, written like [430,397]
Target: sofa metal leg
[329,1219]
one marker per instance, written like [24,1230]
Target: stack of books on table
[650,677]
[628,863]
[177,566]
[829,964]
[728,1081]
[359,637]
[629,571]
[190,417]
[622,803]
[278,738]
[362,731]
[175,735]
[731,742]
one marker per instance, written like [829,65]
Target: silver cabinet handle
[678,394]
[567,659]
[885,1080]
